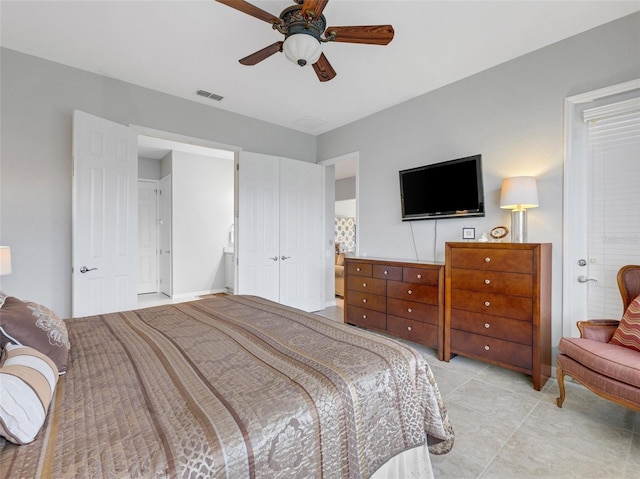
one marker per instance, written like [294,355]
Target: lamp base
[519,226]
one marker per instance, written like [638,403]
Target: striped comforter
[231,387]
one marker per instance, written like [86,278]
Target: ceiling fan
[303,26]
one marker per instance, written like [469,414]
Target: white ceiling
[179,47]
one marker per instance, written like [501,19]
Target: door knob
[584,279]
[283,257]
[84,269]
[274,258]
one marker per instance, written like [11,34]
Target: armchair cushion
[606,359]
[628,332]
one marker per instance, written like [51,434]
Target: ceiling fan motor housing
[302,50]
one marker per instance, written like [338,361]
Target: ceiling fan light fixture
[302,49]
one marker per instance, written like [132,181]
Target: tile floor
[506,429]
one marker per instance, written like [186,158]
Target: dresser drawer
[413,330]
[366,318]
[486,348]
[423,293]
[420,275]
[493,326]
[359,269]
[368,285]
[426,313]
[519,284]
[516,261]
[367,300]
[515,307]
[384,271]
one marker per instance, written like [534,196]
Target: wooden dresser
[403,299]
[498,305]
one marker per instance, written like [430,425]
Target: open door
[105,202]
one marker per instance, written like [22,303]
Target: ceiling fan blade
[369,34]
[246,7]
[263,54]
[315,6]
[323,69]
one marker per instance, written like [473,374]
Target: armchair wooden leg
[560,378]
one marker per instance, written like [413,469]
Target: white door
[147,236]
[105,199]
[301,234]
[279,245]
[589,275]
[258,246]
[164,237]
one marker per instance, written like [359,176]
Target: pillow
[3,296]
[30,324]
[28,380]
[628,331]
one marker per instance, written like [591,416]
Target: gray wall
[346,188]
[512,114]
[202,212]
[37,102]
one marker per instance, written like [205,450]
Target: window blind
[614,201]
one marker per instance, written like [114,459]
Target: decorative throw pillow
[628,331]
[28,380]
[3,296]
[30,324]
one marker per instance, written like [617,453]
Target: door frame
[330,214]
[575,201]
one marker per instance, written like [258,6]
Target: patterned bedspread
[231,387]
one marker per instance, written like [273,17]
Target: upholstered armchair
[607,367]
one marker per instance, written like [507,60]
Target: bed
[234,387]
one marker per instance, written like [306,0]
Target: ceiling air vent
[211,96]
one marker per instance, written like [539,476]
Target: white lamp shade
[519,192]
[302,49]
[5,260]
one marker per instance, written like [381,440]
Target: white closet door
[258,246]
[279,245]
[147,237]
[301,234]
[105,201]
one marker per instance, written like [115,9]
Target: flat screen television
[450,189]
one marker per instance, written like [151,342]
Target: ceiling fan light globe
[302,49]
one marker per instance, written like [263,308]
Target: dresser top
[391,261]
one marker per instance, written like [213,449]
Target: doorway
[194,186]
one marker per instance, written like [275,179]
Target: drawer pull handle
[486,348]
[364,300]
[487,325]
[487,281]
[487,303]
[409,310]
[386,272]
[419,276]
[364,285]
[358,269]
[364,316]
[487,260]
[408,328]
[410,292]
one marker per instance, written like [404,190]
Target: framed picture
[468,233]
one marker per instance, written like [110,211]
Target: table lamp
[518,194]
